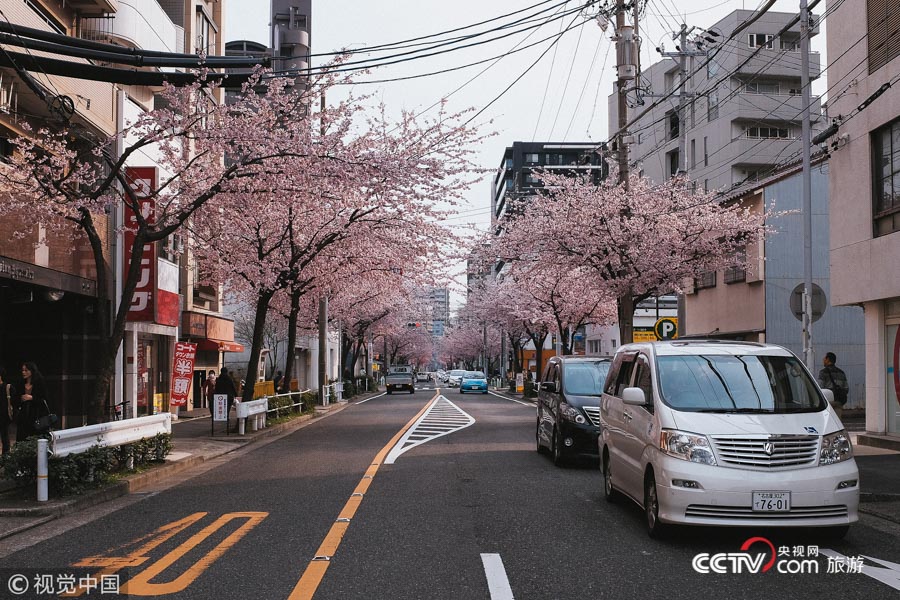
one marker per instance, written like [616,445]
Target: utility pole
[323,302]
[626,71]
[806,187]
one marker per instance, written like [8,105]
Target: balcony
[764,107]
[145,26]
[774,63]
[88,6]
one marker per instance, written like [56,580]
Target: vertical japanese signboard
[142,181]
[182,373]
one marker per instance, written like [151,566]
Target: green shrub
[86,470]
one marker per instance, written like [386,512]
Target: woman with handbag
[32,402]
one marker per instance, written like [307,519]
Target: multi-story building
[865,192]
[439,301]
[760,302]
[517,178]
[743,109]
[291,24]
[47,306]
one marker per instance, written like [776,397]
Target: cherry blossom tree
[635,243]
[353,198]
[61,177]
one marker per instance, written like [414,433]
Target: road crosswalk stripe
[442,418]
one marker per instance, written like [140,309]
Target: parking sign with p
[666,328]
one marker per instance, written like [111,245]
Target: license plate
[771,501]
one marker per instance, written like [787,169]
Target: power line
[537,121]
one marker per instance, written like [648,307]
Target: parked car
[568,411]
[725,433]
[473,381]
[454,377]
[400,378]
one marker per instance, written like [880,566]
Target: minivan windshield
[585,378]
[737,384]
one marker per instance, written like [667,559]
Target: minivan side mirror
[549,386]
[635,396]
[829,395]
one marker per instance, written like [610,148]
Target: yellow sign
[642,335]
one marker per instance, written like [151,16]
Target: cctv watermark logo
[757,555]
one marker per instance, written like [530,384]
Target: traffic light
[411,325]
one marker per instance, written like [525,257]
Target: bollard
[241,423]
[42,482]
[254,422]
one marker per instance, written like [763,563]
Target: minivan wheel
[557,448]
[655,528]
[609,492]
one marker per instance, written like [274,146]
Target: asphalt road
[468,510]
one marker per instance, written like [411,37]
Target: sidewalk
[192,445]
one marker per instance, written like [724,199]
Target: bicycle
[118,413]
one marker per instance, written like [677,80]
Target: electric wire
[565,89]
[537,121]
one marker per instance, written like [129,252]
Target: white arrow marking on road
[442,418]
[498,582]
[889,575]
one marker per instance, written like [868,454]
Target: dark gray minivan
[568,411]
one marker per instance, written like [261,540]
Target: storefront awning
[217,346]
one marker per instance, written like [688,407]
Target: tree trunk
[262,308]
[538,354]
[291,339]
[626,317]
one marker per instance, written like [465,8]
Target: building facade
[760,302]
[864,186]
[742,114]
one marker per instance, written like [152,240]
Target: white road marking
[498,582]
[511,399]
[442,418]
[889,574]
[372,398]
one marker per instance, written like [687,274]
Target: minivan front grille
[593,414]
[743,512]
[770,452]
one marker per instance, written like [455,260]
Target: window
[693,154]
[712,68]
[759,87]
[884,32]
[768,132]
[509,183]
[674,163]
[508,163]
[673,125]
[886,166]
[705,280]
[705,156]
[622,377]
[760,39]
[532,159]
[205,35]
[713,102]
[531,179]
[736,272]
[642,379]
[706,185]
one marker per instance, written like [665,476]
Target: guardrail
[79,439]
[255,410]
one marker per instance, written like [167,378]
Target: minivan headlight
[571,413]
[686,446]
[836,447]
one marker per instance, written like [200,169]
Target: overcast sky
[562,98]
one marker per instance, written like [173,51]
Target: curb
[878,514]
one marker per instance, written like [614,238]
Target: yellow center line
[312,577]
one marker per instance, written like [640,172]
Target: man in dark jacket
[225,385]
[834,379]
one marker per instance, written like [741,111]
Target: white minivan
[707,432]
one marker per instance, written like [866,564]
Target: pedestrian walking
[225,385]
[7,393]
[209,389]
[32,402]
[834,379]
[277,381]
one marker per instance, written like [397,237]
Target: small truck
[400,377]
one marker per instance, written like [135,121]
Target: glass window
[585,378]
[623,379]
[886,164]
[732,384]
[760,39]
[713,111]
[532,159]
[642,377]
